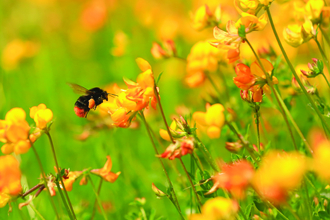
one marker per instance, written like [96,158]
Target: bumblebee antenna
[112,95]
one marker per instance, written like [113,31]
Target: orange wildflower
[213,119]
[94,15]
[41,115]
[106,173]
[166,50]
[234,177]
[217,208]
[253,78]
[10,179]
[14,132]
[70,179]
[180,148]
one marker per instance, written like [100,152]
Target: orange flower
[10,179]
[166,50]
[234,177]
[14,131]
[180,148]
[41,115]
[217,208]
[213,119]
[278,173]
[94,15]
[142,92]
[71,178]
[106,173]
[253,78]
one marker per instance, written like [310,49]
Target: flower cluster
[136,97]
[204,18]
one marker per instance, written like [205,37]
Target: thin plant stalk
[294,72]
[325,36]
[325,58]
[37,212]
[257,114]
[214,86]
[97,197]
[175,202]
[63,200]
[293,212]
[244,142]
[325,78]
[45,180]
[307,202]
[272,206]
[242,213]
[270,83]
[59,171]
[192,184]
[98,193]
[206,153]
[295,125]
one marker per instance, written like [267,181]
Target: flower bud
[234,147]
[157,191]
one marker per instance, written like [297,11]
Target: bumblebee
[90,99]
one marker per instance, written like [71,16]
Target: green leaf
[276,64]
[323,215]
[241,31]
[158,78]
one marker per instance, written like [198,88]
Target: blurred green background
[94,43]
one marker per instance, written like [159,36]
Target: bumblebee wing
[79,89]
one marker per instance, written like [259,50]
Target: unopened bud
[157,191]
[234,147]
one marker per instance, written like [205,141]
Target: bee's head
[105,95]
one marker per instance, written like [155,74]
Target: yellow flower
[204,18]
[41,115]
[202,58]
[213,119]
[321,160]
[278,173]
[251,22]
[14,131]
[217,208]
[4,199]
[70,179]
[295,34]
[106,173]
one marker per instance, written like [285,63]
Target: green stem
[326,79]
[59,171]
[293,212]
[162,112]
[272,206]
[97,198]
[98,193]
[206,153]
[214,86]
[176,203]
[325,58]
[325,36]
[307,202]
[244,142]
[294,72]
[37,212]
[295,125]
[257,113]
[45,180]
[242,213]
[191,183]
[270,83]
[63,200]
